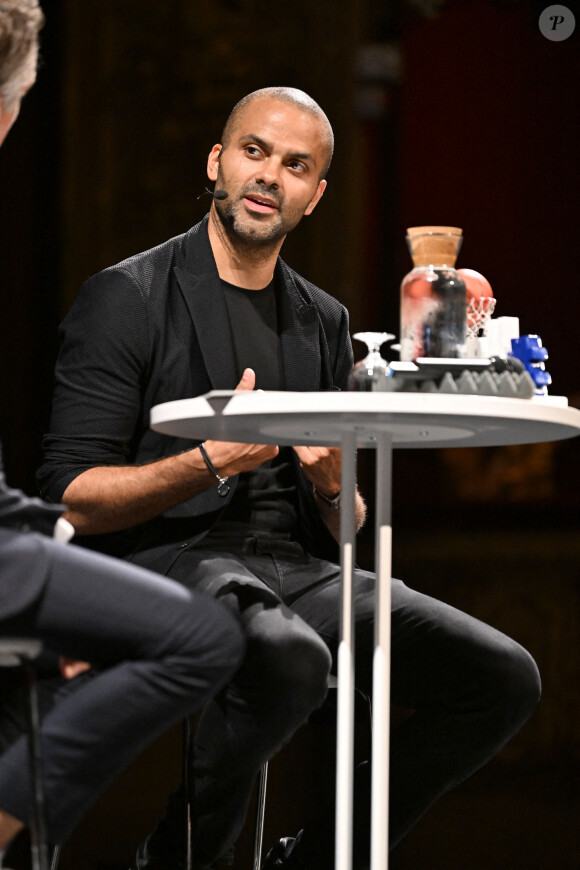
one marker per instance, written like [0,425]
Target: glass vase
[433,296]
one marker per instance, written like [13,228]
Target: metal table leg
[382,658]
[345,709]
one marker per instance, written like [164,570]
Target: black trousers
[163,650]
[469,686]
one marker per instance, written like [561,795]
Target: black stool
[261,802]
[186,756]
[261,798]
[263,782]
[21,652]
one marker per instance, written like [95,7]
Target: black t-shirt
[264,503]
[254,325]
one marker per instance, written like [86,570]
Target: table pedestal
[381,661]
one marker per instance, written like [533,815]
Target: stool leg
[260,816]
[55,858]
[38,820]
[367,700]
[187,758]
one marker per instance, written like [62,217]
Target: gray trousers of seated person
[162,650]
[470,687]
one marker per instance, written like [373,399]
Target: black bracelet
[223,486]
[333,502]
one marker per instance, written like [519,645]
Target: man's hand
[71,668]
[322,467]
[231,457]
[247,381]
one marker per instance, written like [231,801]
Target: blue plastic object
[529,349]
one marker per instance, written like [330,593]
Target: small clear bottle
[433,296]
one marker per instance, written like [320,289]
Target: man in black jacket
[162,650]
[250,524]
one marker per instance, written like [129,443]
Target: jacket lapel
[298,323]
[200,284]
[298,319]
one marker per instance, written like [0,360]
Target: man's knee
[297,666]
[517,685]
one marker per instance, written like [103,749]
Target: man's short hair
[294,97]
[20,23]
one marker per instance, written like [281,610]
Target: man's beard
[251,230]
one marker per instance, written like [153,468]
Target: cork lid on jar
[434,246]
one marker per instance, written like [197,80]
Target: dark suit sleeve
[97,410]
[343,361]
[18,511]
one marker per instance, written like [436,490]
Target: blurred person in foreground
[162,650]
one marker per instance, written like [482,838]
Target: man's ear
[316,198]
[213,162]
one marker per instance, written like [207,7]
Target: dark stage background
[445,113]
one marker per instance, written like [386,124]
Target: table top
[412,419]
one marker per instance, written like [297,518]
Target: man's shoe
[286,853]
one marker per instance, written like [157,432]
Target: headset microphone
[217,194]
[220,194]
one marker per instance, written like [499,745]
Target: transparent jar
[433,296]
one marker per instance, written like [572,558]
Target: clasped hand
[321,465]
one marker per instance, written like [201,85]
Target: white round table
[381,421]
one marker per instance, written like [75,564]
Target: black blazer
[155,328]
[23,561]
